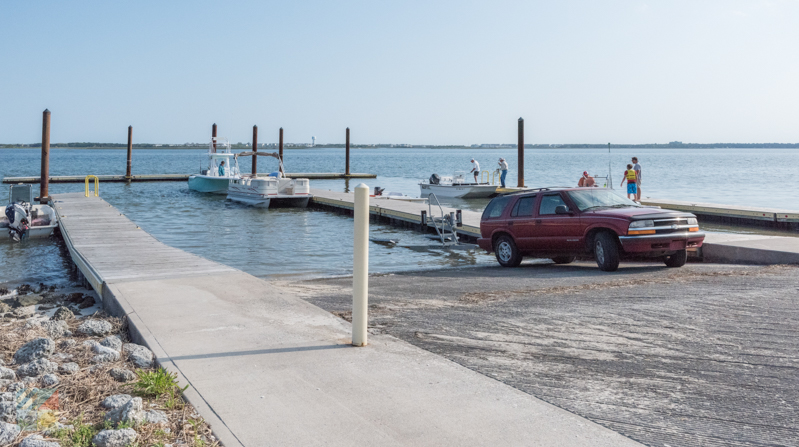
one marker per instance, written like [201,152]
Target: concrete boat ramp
[267,368]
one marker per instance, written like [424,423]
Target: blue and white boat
[211,179]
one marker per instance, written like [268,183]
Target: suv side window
[496,207]
[549,203]
[523,207]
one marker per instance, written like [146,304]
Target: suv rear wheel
[677,259]
[563,259]
[507,253]
[606,252]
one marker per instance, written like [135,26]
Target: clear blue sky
[435,72]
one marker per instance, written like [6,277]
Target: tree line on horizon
[672,145]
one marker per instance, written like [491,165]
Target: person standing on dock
[475,169]
[503,167]
[629,175]
[637,169]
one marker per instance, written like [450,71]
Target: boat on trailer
[274,190]
[23,219]
[456,187]
[209,179]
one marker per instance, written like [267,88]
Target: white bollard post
[360,274]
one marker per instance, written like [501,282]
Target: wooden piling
[347,152]
[130,152]
[520,162]
[280,146]
[213,135]
[44,184]
[254,149]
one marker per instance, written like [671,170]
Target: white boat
[23,219]
[272,190]
[379,194]
[456,186]
[210,179]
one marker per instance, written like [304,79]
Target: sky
[414,72]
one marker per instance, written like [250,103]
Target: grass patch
[158,383]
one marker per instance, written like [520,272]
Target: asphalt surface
[705,355]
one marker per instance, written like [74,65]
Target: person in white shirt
[503,166]
[475,169]
[637,169]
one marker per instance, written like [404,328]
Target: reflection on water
[33,261]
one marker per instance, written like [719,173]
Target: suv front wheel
[606,252]
[507,253]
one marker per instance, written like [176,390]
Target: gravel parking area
[705,355]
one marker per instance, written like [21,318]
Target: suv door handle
[510,223]
[538,221]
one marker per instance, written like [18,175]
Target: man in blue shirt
[222,169]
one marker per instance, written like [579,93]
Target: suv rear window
[496,207]
[523,207]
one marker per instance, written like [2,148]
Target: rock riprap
[37,441]
[96,328]
[8,411]
[155,417]
[122,374]
[7,374]
[37,368]
[113,342]
[62,314]
[130,412]
[115,438]
[115,401]
[69,368]
[35,349]
[50,380]
[8,432]
[139,355]
[104,354]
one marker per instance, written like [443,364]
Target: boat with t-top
[219,170]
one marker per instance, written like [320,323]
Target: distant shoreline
[403,146]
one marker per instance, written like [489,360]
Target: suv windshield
[599,198]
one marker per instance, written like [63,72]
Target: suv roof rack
[529,190]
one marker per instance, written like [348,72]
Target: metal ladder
[444,225]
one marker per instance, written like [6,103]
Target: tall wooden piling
[280,147]
[130,153]
[347,152]
[44,184]
[254,149]
[521,154]
[213,135]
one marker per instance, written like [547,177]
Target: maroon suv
[563,223]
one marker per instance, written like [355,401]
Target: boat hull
[291,201]
[208,184]
[458,191]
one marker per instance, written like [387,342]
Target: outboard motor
[17,221]
[379,191]
[435,179]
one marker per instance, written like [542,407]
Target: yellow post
[96,185]
[487,176]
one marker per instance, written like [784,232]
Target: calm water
[305,243]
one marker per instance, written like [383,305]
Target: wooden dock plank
[106,245]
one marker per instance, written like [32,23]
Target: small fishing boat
[212,179]
[272,190]
[23,219]
[456,186]
[380,194]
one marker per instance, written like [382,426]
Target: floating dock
[732,214]
[174,177]
[264,367]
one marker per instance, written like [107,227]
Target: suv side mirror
[562,209]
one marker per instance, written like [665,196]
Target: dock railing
[96,185]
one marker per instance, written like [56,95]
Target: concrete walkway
[267,368]
[750,249]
